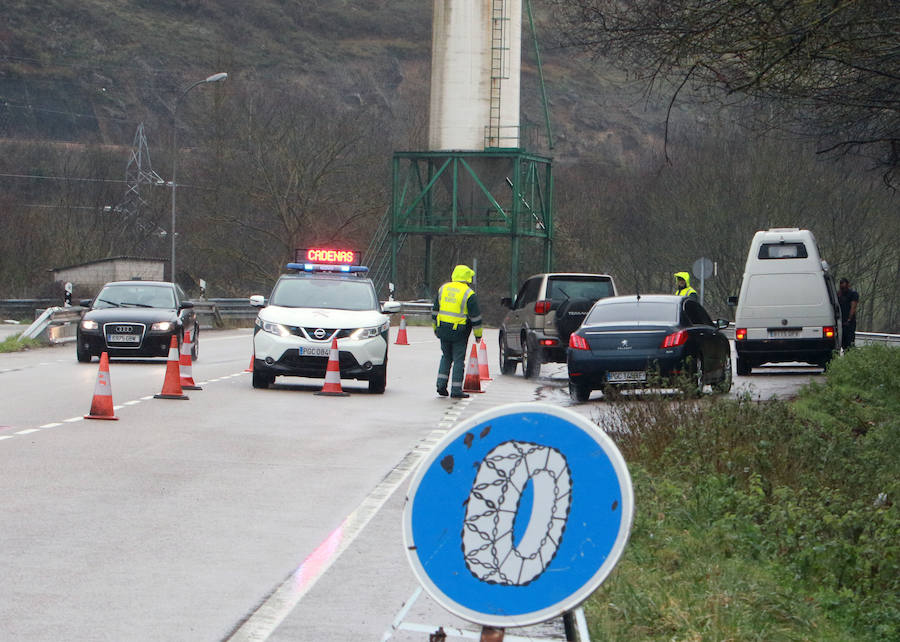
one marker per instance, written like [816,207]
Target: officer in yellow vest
[683,285]
[454,315]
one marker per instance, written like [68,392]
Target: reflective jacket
[455,310]
[687,290]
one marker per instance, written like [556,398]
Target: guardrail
[56,324]
[864,338]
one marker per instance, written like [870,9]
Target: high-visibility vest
[453,298]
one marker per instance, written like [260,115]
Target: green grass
[762,520]
[14,344]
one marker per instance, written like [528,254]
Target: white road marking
[27,431]
[52,424]
[72,420]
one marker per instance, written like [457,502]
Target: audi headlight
[162,326]
[368,333]
[87,324]
[273,328]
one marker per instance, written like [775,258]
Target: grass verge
[762,520]
[15,343]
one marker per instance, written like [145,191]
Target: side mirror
[85,303]
[389,307]
[721,323]
[258,301]
[187,304]
[506,302]
[732,301]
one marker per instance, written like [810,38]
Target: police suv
[324,298]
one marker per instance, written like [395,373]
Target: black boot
[442,392]
[458,394]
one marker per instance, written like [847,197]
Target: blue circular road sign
[518,514]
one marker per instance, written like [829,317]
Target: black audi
[640,340]
[136,319]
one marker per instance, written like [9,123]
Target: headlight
[273,328]
[162,326]
[87,324]
[368,333]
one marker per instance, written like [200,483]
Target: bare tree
[829,68]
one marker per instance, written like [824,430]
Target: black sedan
[136,319]
[645,339]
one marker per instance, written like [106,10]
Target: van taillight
[542,307]
[828,332]
[740,334]
[577,342]
[674,339]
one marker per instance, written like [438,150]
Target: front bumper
[281,356]
[153,344]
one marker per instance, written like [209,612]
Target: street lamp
[214,78]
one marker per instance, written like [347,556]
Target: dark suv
[547,309]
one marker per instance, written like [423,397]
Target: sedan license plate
[315,352]
[781,334]
[627,375]
[123,338]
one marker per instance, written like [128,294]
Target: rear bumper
[587,369]
[783,350]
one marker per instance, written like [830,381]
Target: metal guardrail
[56,324]
[865,338]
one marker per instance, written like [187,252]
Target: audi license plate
[625,376]
[123,338]
[315,352]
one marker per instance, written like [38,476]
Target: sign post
[518,515]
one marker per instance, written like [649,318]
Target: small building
[89,277]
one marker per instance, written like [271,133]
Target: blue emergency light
[326,267]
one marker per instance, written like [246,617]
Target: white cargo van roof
[782,250]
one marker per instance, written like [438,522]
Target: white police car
[313,305]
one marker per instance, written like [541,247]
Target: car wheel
[531,360]
[507,366]
[694,385]
[262,379]
[195,345]
[724,385]
[81,354]
[378,380]
[580,392]
[743,366]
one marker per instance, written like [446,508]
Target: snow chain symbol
[487,536]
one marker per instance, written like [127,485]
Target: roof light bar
[326,267]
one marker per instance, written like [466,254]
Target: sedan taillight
[674,339]
[577,342]
[542,307]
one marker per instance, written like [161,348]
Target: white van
[787,309]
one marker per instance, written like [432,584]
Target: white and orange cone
[401,334]
[185,369]
[172,384]
[332,385]
[102,405]
[472,382]
[484,372]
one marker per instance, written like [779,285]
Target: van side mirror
[732,301]
[506,302]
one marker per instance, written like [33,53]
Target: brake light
[828,332]
[740,334]
[577,342]
[675,339]
[542,307]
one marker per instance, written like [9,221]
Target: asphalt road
[237,514]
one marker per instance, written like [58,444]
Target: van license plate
[315,352]
[627,375]
[781,334]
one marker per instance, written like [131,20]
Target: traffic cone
[184,365]
[172,384]
[484,373]
[332,385]
[102,405]
[472,381]
[252,359]
[401,335]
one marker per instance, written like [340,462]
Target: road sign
[703,268]
[518,514]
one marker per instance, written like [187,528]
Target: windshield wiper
[113,303]
[137,305]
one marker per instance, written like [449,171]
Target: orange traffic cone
[401,334]
[102,405]
[332,385]
[172,385]
[184,365]
[252,359]
[472,381]
[484,373]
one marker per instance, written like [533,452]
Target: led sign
[327,255]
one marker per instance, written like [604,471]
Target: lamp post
[214,78]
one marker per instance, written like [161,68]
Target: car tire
[723,386]
[531,360]
[507,366]
[580,392]
[378,380]
[83,356]
[743,366]
[262,379]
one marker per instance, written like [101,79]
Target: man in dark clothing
[454,315]
[848,300]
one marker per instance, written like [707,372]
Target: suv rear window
[560,289]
